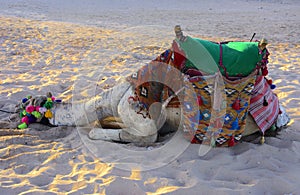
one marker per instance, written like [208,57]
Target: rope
[10,112]
[221,60]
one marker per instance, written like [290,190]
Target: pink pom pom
[30,108]
[25,120]
[37,108]
[52,98]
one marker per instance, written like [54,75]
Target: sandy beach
[76,49]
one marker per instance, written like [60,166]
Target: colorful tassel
[200,101]
[231,142]
[195,140]
[236,105]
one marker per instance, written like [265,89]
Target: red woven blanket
[264,104]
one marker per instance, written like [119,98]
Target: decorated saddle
[228,83]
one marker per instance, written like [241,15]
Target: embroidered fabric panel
[155,82]
[224,123]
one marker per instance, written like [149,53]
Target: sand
[76,50]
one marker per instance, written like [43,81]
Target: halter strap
[221,60]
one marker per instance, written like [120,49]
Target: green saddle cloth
[239,58]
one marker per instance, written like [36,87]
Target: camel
[120,113]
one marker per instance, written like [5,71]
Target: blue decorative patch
[206,115]
[227,119]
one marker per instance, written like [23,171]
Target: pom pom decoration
[22,126]
[273,86]
[24,113]
[48,114]
[37,108]
[30,108]
[270,82]
[32,113]
[48,104]
[31,119]
[36,114]
[25,119]
[24,100]
[42,110]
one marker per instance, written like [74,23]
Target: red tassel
[200,101]
[236,105]
[194,141]
[270,82]
[231,142]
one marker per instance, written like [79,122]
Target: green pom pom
[36,114]
[24,112]
[48,104]
[22,126]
